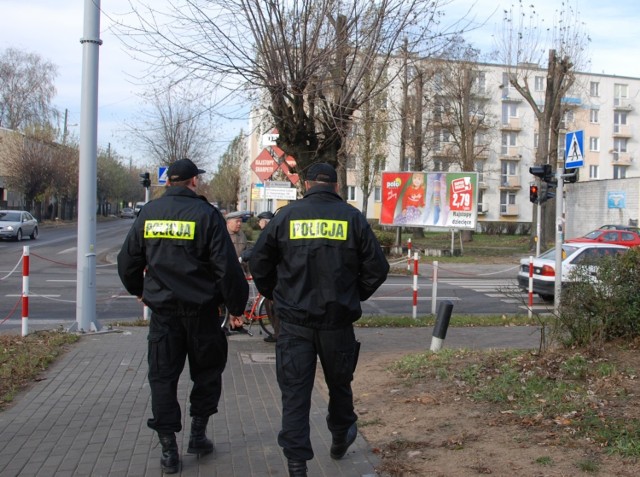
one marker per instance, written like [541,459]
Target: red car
[619,237]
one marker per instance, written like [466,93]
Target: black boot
[339,445]
[297,468]
[198,442]
[170,460]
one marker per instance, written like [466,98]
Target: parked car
[621,227]
[15,224]
[619,237]
[127,213]
[136,209]
[573,254]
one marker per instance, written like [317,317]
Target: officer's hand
[236,321]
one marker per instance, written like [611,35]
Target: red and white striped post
[25,290]
[530,286]
[408,255]
[415,285]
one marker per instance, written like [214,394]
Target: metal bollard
[442,324]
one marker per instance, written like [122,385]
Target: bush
[385,238]
[597,309]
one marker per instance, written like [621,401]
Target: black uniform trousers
[297,352]
[171,341]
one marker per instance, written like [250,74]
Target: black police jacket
[191,266]
[318,259]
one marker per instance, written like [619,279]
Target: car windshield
[567,250]
[9,216]
[593,235]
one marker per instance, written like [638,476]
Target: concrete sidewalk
[87,417]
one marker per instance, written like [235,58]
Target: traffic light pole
[557,290]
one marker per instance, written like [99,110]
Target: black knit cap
[322,172]
[183,169]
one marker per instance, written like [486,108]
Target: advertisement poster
[429,199]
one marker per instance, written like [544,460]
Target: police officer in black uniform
[181,241]
[317,259]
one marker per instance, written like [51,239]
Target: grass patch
[566,391]
[22,359]
[384,321]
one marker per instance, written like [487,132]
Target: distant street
[53,272]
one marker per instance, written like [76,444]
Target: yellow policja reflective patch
[318,228]
[169,229]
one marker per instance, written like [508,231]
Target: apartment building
[604,107]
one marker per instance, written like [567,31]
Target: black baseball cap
[183,169]
[322,172]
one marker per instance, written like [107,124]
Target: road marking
[68,250]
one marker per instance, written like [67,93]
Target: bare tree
[177,124]
[309,55]
[225,185]
[369,143]
[523,48]
[26,89]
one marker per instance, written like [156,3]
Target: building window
[593,116]
[594,144]
[539,83]
[620,144]
[377,194]
[620,93]
[508,169]
[593,172]
[481,82]
[619,120]
[509,110]
[594,88]
[351,193]
[505,85]
[507,198]
[508,140]
[479,166]
[619,172]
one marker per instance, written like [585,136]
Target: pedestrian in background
[181,241]
[317,259]
[263,220]
[234,227]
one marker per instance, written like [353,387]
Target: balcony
[621,130]
[509,209]
[621,158]
[481,183]
[512,125]
[512,152]
[510,182]
[446,150]
[622,104]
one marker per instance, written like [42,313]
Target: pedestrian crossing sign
[162,175]
[574,142]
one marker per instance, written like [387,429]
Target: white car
[15,224]
[573,254]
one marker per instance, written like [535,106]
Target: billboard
[430,199]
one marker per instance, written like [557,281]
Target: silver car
[15,224]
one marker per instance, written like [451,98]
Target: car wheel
[34,234]
[19,235]
[547,298]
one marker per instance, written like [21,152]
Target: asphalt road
[473,289]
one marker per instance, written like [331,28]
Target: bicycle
[256,310]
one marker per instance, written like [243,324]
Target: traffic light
[145,180]
[547,191]
[544,172]
[533,193]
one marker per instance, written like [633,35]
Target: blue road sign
[162,175]
[573,149]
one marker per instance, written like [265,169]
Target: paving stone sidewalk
[87,416]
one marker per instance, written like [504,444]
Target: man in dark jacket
[181,242]
[317,259]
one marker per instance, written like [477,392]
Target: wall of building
[589,205]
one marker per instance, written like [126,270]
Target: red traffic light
[533,193]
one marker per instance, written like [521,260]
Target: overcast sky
[53,28]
